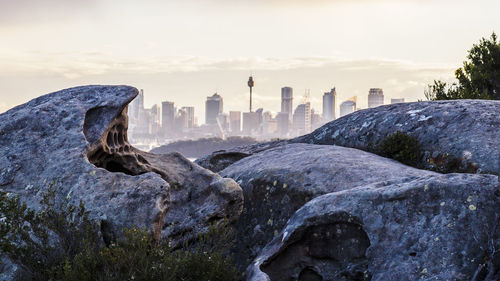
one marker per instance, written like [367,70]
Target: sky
[185,50]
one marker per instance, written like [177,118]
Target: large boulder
[461,133]
[220,159]
[436,227]
[77,138]
[280,180]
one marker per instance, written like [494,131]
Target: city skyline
[186,50]
[153,126]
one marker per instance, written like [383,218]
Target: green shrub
[400,147]
[60,242]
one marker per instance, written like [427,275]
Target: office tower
[235,121]
[302,118]
[181,120]
[375,97]
[135,108]
[349,106]
[213,106]
[283,124]
[250,122]
[329,103]
[223,120]
[190,116]
[316,120]
[155,119]
[401,100]
[167,117]
[287,101]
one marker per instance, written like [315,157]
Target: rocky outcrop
[462,134]
[77,138]
[436,227]
[278,181]
[457,133]
[200,147]
[219,160]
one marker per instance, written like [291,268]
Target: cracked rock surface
[437,227]
[280,180]
[77,138]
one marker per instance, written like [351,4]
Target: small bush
[400,147]
[60,242]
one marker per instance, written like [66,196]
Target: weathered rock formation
[280,180]
[78,138]
[462,131]
[437,227]
[459,132]
[200,147]
[219,160]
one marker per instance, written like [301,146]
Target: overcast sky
[184,50]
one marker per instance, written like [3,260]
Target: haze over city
[184,51]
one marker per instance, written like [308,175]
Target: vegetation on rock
[401,147]
[479,78]
[61,242]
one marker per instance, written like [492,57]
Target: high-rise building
[316,120]
[155,119]
[181,120]
[251,122]
[329,103]
[213,106]
[135,107]
[190,116]
[287,101]
[223,120]
[283,124]
[401,100]
[235,121]
[347,107]
[167,117]
[302,118]
[375,97]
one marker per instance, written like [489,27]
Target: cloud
[35,11]
[78,64]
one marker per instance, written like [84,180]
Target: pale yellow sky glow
[185,50]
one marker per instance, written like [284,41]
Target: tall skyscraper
[251,122]
[401,100]
[375,97]
[181,120]
[235,121]
[136,107]
[283,124]
[167,117]
[347,107]
[287,101]
[329,103]
[302,118]
[190,115]
[213,106]
[155,119]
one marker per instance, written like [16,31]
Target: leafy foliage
[60,242]
[479,78]
[401,147]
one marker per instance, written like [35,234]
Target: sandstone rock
[78,138]
[219,160]
[437,227]
[278,181]
[462,131]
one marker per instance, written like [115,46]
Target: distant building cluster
[158,125]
